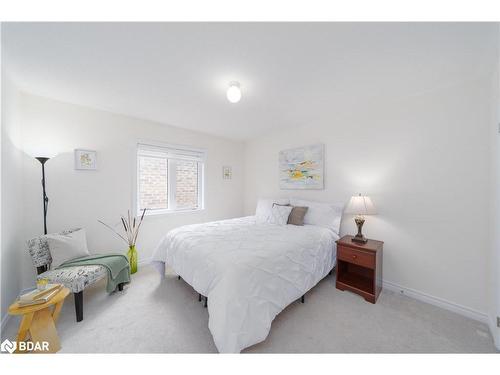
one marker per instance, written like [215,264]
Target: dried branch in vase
[131,228]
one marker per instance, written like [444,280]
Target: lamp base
[361,239]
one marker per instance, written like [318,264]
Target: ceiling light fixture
[233,93]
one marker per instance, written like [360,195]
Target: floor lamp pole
[44,196]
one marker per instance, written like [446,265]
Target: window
[169,178]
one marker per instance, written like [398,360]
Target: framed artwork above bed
[302,167]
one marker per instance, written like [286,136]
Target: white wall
[12,198]
[79,198]
[424,162]
[494,194]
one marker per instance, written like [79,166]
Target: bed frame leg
[199,297]
[206,302]
[178,277]
[330,273]
[302,299]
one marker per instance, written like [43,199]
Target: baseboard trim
[436,301]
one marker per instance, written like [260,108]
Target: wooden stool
[40,321]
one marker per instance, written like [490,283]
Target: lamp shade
[360,205]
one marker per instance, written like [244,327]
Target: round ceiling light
[233,93]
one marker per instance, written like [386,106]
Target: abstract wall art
[302,168]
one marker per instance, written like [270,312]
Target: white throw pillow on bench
[64,247]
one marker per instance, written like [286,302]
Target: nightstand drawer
[361,258]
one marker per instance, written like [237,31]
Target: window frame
[171,178]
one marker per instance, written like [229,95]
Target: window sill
[154,213]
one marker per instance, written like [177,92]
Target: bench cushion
[75,278]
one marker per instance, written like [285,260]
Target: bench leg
[79,306]
[302,299]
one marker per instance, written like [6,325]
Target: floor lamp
[42,161]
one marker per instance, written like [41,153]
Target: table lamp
[360,205]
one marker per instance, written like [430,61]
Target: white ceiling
[290,73]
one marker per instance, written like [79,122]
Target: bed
[248,269]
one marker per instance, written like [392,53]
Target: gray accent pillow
[297,216]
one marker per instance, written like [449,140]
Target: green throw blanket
[117,265]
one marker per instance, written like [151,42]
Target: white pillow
[321,214]
[279,215]
[264,207]
[64,247]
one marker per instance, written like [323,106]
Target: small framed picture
[227,173]
[85,159]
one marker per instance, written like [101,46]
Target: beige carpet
[165,317]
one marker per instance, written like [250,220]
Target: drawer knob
[354,256]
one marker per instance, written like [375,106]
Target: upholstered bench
[76,279]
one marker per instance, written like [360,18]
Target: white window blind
[170,152]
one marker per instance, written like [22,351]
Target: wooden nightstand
[359,267]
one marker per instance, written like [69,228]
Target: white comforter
[249,271]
